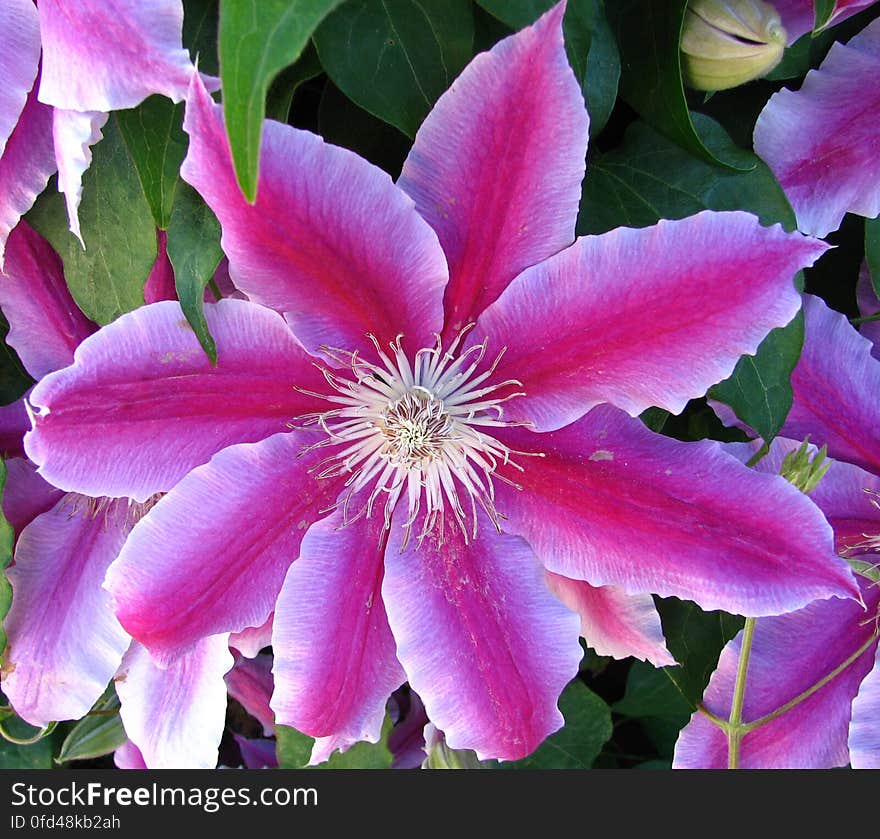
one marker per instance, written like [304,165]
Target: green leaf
[394,58]
[258,39]
[649,177]
[153,133]
[822,11]
[99,733]
[7,538]
[695,638]
[194,251]
[14,379]
[590,44]
[107,278]
[759,391]
[33,756]
[293,750]
[649,37]
[282,90]
[872,251]
[577,744]
[200,33]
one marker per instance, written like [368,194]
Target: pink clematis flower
[395,501]
[822,141]
[835,385]
[64,642]
[798,16]
[97,56]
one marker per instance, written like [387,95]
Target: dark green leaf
[649,177]
[107,278]
[7,537]
[282,90]
[153,133]
[200,33]
[823,9]
[795,60]
[14,379]
[576,745]
[872,251]
[293,750]
[258,39]
[99,733]
[649,37]
[695,638]
[395,58]
[759,391]
[194,251]
[34,756]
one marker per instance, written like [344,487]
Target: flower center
[420,429]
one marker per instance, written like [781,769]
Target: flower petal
[160,284]
[483,641]
[103,55]
[45,325]
[176,716]
[335,665]
[73,135]
[142,404]
[835,384]
[128,756]
[790,653]
[330,241]
[249,682]
[821,142]
[26,165]
[252,639]
[613,622]
[798,15]
[497,165]
[211,556]
[634,317]
[26,495]
[19,59]
[864,729]
[613,503]
[64,641]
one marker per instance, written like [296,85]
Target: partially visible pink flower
[97,56]
[431,480]
[798,16]
[822,142]
[835,384]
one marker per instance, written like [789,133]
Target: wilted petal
[790,654]
[45,325]
[26,495]
[250,683]
[142,404]
[497,165]
[835,384]
[821,141]
[613,622]
[868,305]
[634,317]
[160,283]
[64,641]
[26,165]
[330,241]
[483,641]
[19,59]
[103,55]
[252,639]
[613,503]
[73,135]
[864,730]
[335,665]
[211,556]
[176,715]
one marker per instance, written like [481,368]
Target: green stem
[735,730]
[866,319]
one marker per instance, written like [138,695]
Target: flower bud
[726,43]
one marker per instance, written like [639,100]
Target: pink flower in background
[426,404]
[798,16]
[835,384]
[97,56]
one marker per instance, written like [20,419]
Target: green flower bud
[726,43]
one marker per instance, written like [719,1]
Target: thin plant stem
[735,728]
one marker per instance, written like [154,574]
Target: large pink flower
[422,473]
[97,56]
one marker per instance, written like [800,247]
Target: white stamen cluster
[416,429]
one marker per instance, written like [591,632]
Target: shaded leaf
[200,33]
[14,379]
[194,251]
[33,756]
[822,11]
[394,58]
[258,39]
[107,278]
[577,744]
[282,90]
[293,750]
[99,733]
[153,133]
[649,37]
[872,251]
